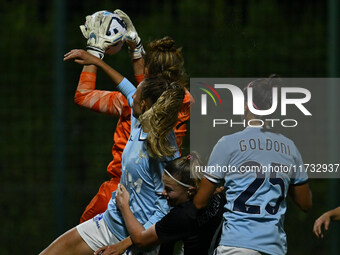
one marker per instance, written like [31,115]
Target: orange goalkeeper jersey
[114,103]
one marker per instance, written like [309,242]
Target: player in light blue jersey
[152,144]
[142,173]
[260,167]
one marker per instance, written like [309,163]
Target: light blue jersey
[258,167]
[141,175]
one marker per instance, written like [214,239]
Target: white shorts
[226,250]
[96,234]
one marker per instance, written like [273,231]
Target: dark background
[53,154]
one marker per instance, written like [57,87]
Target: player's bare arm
[90,69]
[302,196]
[204,193]
[84,58]
[138,66]
[134,43]
[324,220]
[139,236]
[115,249]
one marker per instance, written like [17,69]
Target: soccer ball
[117,26]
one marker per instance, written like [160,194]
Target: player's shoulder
[228,142]
[186,211]
[235,136]
[279,137]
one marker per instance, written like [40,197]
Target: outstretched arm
[138,69]
[84,58]
[140,237]
[108,102]
[86,95]
[324,220]
[135,46]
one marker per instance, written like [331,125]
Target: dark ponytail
[263,93]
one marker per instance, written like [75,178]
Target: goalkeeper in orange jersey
[161,58]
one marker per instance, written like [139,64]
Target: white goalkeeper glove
[95,32]
[131,37]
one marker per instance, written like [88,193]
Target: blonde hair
[159,120]
[164,58]
[184,169]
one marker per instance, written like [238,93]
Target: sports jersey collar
[253,127]
[142,135]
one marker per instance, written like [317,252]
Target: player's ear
[146,71]
[143,105]
[146,104]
